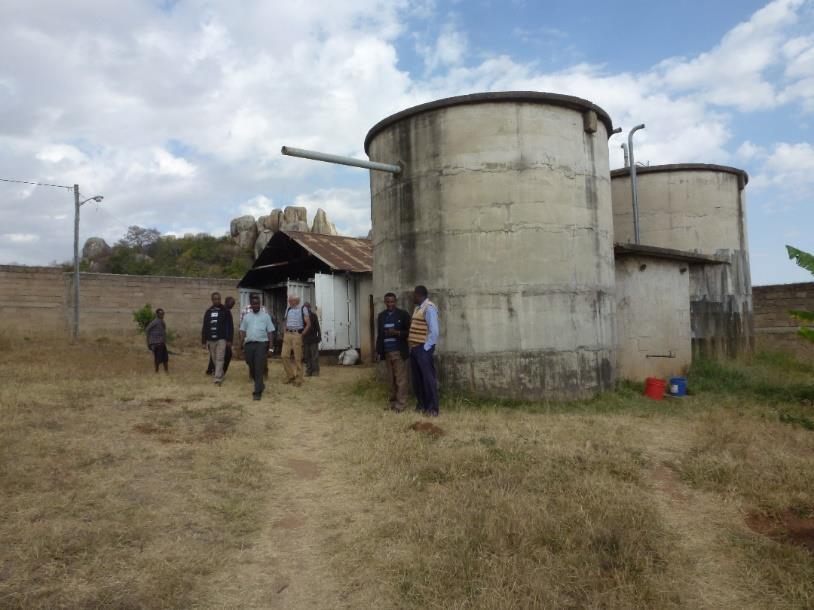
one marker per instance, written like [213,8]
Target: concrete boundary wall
[40,299]
[774,327]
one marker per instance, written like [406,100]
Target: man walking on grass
[310,343]
[227,357]
[156,332]
[297,321]
[422,339]
[392,329]
[256,334]
[216,334]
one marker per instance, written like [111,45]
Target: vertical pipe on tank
[633,189]
[627,159]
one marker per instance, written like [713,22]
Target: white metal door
[336,302]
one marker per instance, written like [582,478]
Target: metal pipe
[633,185]
[318,156]
[627,159]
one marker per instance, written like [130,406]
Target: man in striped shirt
[422,339]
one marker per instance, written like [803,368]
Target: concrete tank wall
[697,208]
[503,211]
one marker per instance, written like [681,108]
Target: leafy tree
[145,252]
[140,238]
[806,261]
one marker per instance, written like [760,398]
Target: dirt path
[310,502]
[700,520]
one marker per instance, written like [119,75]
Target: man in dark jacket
[310,344]
[392,329]
[216,334]
[229,303]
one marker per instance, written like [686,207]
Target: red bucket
[654,388]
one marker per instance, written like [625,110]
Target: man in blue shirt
[256,331]
[393,327]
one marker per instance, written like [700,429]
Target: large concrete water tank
[503,210]
[700,208]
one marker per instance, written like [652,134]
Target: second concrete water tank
[698,208]
[503,210]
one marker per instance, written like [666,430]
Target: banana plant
[806,261]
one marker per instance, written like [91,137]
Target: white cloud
[449,49]
[348,208]
[21,238]
[257,206]
[177,116]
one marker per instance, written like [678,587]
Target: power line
[59,186]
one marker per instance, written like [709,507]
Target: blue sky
[175,111]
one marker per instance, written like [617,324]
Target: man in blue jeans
[422,339]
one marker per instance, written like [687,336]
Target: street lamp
[78,204]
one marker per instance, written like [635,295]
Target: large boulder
[94,248]
[322,225]
[244,231]
[293,213]
[271,222]
[262,241]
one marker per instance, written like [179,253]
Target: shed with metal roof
[332,272]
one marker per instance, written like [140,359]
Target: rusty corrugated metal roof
[340,253]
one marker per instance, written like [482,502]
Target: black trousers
[257,353]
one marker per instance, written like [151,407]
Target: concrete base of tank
[555,375]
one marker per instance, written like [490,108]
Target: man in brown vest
[422,339]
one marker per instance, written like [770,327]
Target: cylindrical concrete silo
[700,208]
[503,210]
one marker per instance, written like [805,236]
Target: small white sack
[349,357]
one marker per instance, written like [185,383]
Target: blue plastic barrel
[678,386]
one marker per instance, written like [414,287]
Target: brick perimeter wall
[774,327]
[39,299]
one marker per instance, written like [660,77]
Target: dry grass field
[120,488]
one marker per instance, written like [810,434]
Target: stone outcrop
[244,231]
[295,218]
[255,235]
[262,241]
[322,225]
[95,247]
[271,222]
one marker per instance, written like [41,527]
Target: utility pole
[77,204]
[76,262]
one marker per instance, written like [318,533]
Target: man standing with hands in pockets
[256,333]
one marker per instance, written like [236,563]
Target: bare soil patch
[427,428]
[289,523]
[304,469]
[788,527]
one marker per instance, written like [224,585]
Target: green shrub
[142,317]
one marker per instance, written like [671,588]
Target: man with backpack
[297,321]
[310,344]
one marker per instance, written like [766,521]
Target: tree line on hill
[144,251]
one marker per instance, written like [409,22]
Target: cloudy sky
[175,110]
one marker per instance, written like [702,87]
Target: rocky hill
[146,252]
